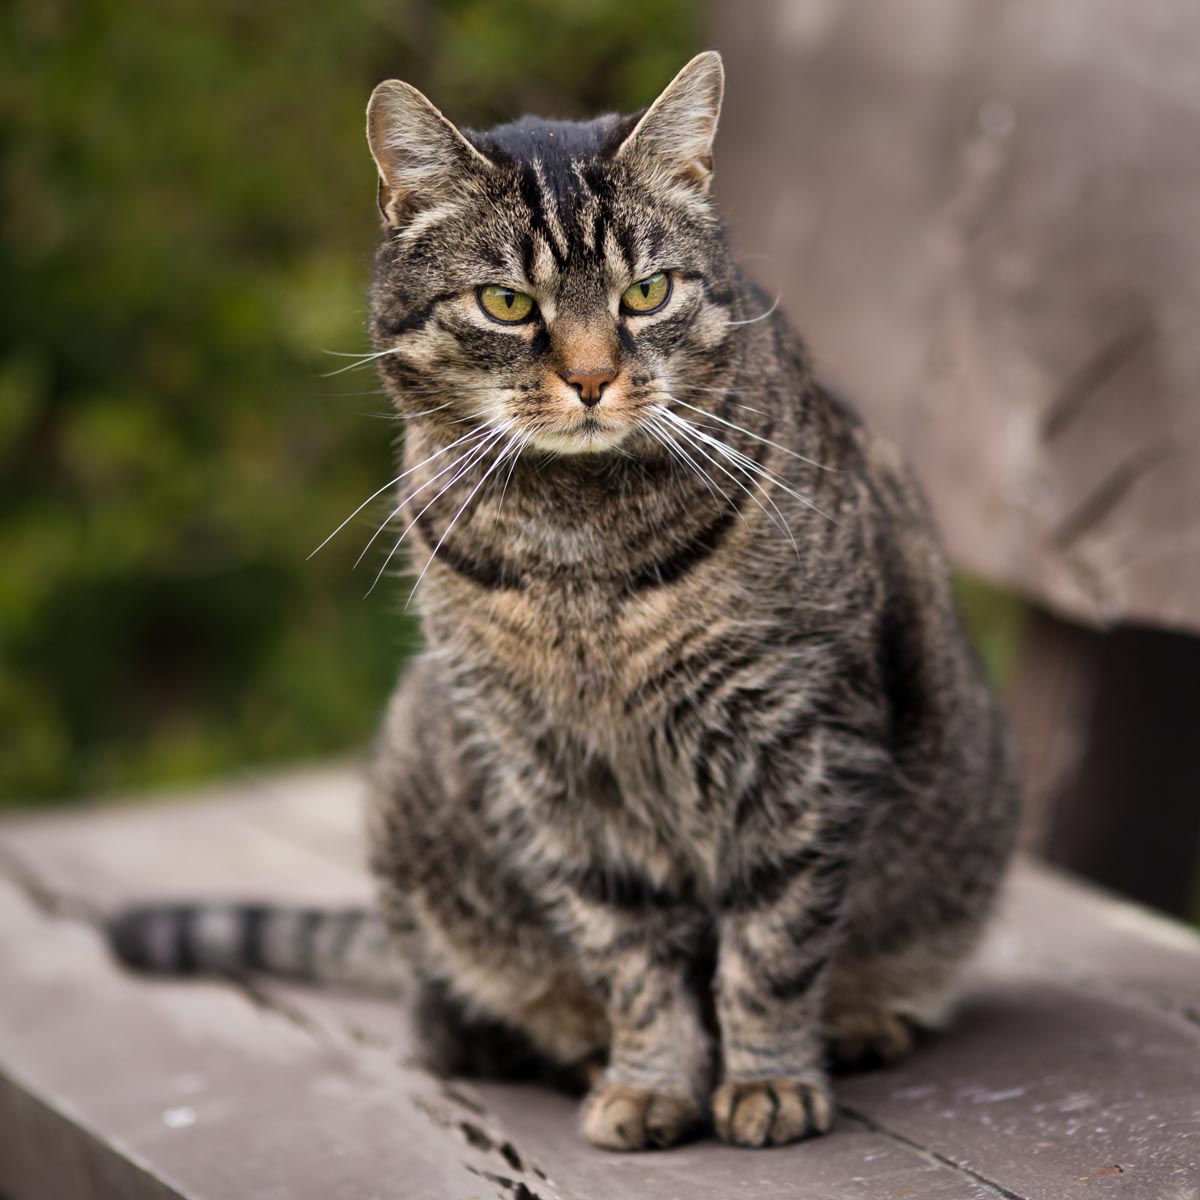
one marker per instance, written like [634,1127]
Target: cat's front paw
[619,1116]
[868,1039]
[771,1112]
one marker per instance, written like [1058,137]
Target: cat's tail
[346,948]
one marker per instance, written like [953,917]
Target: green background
[187,223]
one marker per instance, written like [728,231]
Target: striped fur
[698,774]
[351,948]
[697,777]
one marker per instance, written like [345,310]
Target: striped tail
[347,948]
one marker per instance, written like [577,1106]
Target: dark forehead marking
[532,196]
[555,144]
[561,152]
[557,147]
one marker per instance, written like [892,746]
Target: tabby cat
[697,784]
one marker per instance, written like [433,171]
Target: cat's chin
[584,439]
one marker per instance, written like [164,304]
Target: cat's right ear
[421,156]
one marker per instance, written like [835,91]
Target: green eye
[505,305]
[647,295]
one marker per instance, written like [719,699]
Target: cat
[697,784]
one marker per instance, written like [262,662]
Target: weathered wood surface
[984,217]
[1074,1069]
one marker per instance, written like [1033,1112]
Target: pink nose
[591,384]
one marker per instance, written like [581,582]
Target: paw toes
[618,1116]
[771,1112]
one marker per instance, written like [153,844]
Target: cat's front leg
[656,1087]
[779,928]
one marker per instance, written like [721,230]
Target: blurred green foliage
[186,224]
[996,620]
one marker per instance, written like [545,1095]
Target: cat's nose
[590,384]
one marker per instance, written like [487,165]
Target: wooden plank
[225,1098]
[1078,1044]
[983,217]
[855,1163]
[253,1105]
[1100,941]
[1076,1051]
[1046,1087]
[299,833]
[49,1153]
[860,1163]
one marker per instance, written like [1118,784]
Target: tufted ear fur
[677,130]
[421,156]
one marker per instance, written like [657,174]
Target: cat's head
[558,280]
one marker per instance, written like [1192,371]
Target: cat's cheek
[710,328]
[669,338]
[479,346]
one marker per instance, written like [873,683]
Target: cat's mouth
[589,435]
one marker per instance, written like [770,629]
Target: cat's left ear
[677,130]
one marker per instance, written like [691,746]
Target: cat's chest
[588,656]
[575,686]
[631,803]
[565,647]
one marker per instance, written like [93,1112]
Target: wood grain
[1077,1050]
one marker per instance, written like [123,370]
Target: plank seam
[40,895]
[934,1155]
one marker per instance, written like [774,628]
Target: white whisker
[726,393]
[528,437]
[363,360]
[761,316]
[454,520]
[750,465]
[751,434]
[660,432]
[474,454]
[698,440]
[460,466]
[403,416]
[390,483]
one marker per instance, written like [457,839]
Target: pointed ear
[420,155]
[677,130]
